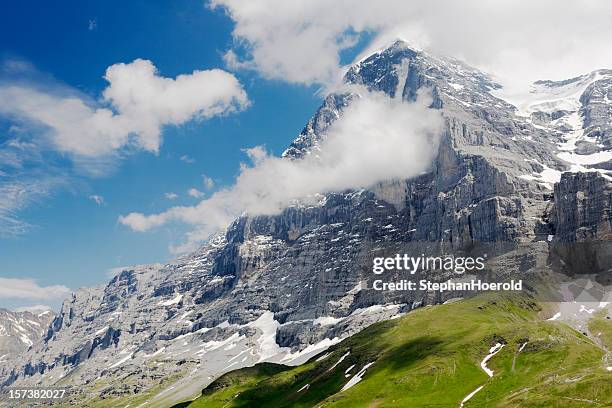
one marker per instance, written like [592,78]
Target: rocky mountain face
[20,330]
[282,288]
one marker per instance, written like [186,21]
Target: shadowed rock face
[582,208]
[300,278]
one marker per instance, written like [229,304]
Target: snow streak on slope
[483,364]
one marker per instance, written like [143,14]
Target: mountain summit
[523,183]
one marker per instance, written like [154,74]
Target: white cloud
[17,193]
[98,199]
[26,177]
[45,117]
[15,196]
[208,182]
[376,139]
[33,308]
[134,107]
[194,192]
[12,288]
[185,158]
[518,40]
[171,196]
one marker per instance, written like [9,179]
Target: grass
[601,327]
[431,358]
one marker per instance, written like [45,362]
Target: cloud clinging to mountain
[376,139]
[519,40]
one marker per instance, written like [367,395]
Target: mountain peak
[398,46]
[281,288]
[401,43]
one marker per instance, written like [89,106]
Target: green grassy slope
[431,358]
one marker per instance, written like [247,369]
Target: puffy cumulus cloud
[195,193]
[50,119]
[518,40]
[12,288]
[133,108]
[376,139]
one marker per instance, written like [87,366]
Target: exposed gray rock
[282,288]
[583,208]
[310,136]
[597,109]
[20,330]
[584,147]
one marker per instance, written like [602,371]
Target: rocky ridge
[20,330]
[282,288]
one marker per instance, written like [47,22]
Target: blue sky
[72,240]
